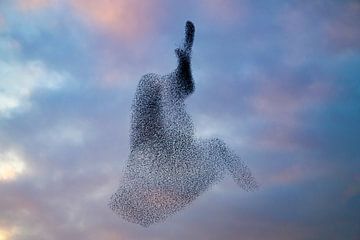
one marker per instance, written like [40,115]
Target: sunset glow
[277,81]
[11,166]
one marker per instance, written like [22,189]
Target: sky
[278,81]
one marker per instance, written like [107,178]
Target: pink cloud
[289,175]
[280,99]
[276,99]
[125,19]
[295,173]
[283,103]
[30,5]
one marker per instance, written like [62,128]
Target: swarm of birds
[168,167]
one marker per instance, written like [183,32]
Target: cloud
[2,21]
[274,83]
[19,80]
[282,104]
[295,174]
[12,165]
[125,19]
[7,233]
[103,36]
[72,133]
[31,5]
[226,12]
[342,30]
[331,31]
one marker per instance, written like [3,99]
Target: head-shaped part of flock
[168,167]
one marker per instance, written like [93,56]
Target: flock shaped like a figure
[168,167]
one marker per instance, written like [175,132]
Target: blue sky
[278,81]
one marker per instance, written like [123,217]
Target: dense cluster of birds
[168,167]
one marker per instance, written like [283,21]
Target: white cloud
[19,80]
[12,165]
[209,127]
[73,133]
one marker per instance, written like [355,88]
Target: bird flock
[168,167]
